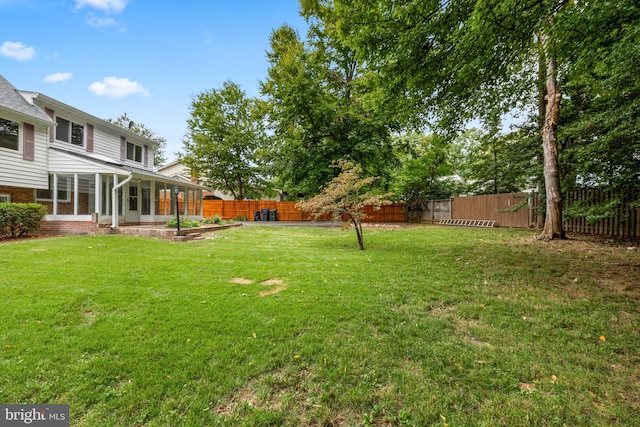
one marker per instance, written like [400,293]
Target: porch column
[75,194]
[114,202]
[96,204]
[55,194]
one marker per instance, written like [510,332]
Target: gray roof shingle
[12,100]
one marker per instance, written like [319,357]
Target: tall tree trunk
[542,92]
[553,219]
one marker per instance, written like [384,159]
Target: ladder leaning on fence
[468,222]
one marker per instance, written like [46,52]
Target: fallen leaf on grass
[602,338]
[527,387]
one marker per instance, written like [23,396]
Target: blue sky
[143,57]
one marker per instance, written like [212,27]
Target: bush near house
[186,223]
[20,219]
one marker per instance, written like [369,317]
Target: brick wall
[71,227]
[18,194]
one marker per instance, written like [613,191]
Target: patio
[163,232]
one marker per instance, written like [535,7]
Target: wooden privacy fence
[623,220]
[499,208]
[507,210]
[287,211]
[495,207]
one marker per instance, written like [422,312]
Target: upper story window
[134,152]
[9,134]
[70,132]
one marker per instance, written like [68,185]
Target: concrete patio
[163,232]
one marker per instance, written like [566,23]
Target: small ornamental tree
[344,197]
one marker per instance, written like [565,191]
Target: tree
[428,171]
[447,62]
[225,140]
[140,129]
[344,196]
[318,108]
[600,121]
[499,162]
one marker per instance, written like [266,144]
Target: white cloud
[57,77]
[97,22]
[113,87]
[17,50]
[109,6]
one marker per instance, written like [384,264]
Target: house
[178,170]
[91,175]
[181,172]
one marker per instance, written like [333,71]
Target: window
[72,133]
[134,152]
[133,198]
[64,189]
[5,198]
[146,198]
[9,131]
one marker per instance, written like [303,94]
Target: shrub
[20,219]
[184,223]
[216,219]
[240,218]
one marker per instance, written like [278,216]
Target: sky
[147,58]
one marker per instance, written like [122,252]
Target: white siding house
[179,171]
[91,174]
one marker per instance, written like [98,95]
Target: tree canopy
[444,63]
[318,107]
[226,140]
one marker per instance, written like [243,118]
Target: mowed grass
[296,326]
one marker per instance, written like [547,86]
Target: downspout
[116,202]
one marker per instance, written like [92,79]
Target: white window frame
[135,148]
[70,132]
[19,149]
[5,198]
[53,188]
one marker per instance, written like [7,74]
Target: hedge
[20,219]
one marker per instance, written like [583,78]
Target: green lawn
[428,326]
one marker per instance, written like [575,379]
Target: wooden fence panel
[624,220]
[390,213]
[287,211]
[494,207]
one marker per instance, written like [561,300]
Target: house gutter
[114,197]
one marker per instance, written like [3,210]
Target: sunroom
[90,189]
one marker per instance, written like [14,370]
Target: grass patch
[296,326]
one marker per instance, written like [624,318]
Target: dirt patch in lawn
[241,281]
[278,285]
